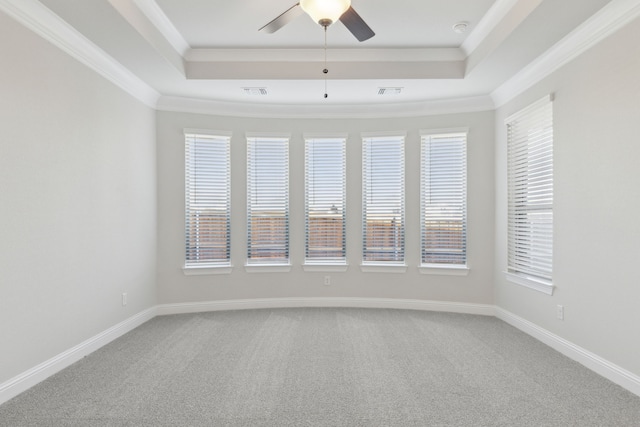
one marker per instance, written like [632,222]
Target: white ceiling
[209,50]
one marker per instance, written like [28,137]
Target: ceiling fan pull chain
[326,70]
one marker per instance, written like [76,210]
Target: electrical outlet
[327,280]
[560,312]
[124,299]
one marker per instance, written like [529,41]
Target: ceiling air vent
[258,91]
[386,91]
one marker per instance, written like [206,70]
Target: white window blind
[444,198]
[383,200]
[207,200]
[530,192]
[268,200]
[325,200]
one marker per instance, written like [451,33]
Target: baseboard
[33,376]
[592,361]
[404,304]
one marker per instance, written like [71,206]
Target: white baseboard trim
[11,388]
[33,376]
[405,304]
[592,361]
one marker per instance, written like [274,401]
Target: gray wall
[77,202]
[596,228]
[174,287]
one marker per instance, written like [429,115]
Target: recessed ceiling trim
[324,111]
[501,30]
[489,21]
[156,15]
[42,21]
[45,23]
[317,54]
[313,70]
[605,22]
[129,10]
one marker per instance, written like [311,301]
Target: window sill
[267,268]
[531,283]
[444,269]
[383,268]
[337,268]
[206,270]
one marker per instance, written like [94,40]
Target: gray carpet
[324,367]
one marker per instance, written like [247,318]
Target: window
[207,200]
[325,201]
[383,200]
[443,189]
[268,200]
[530,196]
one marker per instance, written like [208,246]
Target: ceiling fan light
[325,12]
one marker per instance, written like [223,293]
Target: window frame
[538,116]
[382,266]
[223,185]
[436,135]
[255,265]
[312,148]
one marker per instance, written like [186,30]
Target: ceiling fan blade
[287,16]
[356,25]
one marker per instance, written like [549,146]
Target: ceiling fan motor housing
[325,12]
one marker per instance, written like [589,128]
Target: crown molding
[320,111]
[157,17]
[148,30]
[605,22]
[33,15]
[39,19]
[487,24]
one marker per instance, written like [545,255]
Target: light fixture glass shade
[323,10]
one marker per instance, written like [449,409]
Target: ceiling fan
[325,13]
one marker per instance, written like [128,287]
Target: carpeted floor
[324,367]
